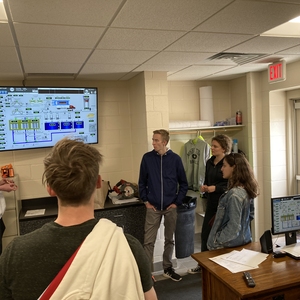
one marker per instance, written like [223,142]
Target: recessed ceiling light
[3,16]
[288,29]
[296,20]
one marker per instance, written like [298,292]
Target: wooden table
[276,278]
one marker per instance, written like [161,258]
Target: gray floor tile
[183,264]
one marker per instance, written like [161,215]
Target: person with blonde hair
[162,187]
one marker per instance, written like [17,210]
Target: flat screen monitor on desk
[286,217]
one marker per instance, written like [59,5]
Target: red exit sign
[276,71]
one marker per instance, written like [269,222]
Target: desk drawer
[287,294]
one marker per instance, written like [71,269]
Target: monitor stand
[290,238]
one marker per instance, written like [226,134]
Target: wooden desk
[276,278]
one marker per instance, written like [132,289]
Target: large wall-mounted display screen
[38,117]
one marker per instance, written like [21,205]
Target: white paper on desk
[35,212]
[230,265]
[247,257]
[292,249]
[115,200]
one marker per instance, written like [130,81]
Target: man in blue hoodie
[162,186]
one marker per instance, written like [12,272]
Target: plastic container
[238,118]
[185,228]
[235,148]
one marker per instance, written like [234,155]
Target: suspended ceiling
[118,39]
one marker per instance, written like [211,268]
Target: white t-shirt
[2,205]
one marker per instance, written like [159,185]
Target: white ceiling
[117,39]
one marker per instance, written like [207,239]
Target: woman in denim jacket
[231,227]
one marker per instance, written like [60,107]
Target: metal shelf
[206,129]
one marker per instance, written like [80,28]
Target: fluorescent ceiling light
[288,29]
[296,20]
[3,16]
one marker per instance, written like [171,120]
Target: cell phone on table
[279,253]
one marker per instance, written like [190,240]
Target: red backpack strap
[58,278]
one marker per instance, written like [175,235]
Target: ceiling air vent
[238,58]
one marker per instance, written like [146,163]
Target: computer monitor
[286,217]
[38,117]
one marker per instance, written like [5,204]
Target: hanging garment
[194,156]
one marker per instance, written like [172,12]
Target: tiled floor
[185,263]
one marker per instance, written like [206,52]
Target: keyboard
[292,250]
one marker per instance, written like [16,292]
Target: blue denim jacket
[231,227]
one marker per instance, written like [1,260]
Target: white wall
[138,133]
[115,139]
[275,140]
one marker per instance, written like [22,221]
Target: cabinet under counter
[36,212]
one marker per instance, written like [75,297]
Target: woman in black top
[214,186]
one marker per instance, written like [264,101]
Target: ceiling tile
[120,56]
[9,68]
[107,68]
[8,55]
[159,67]
[197,72]
[293,50]
[66,12]
[54,36]
[52,55]
[167,14]
[250,17]
[207,42]
[178,58]
[138,39]
[235,71]
[48,68]
[262,44]
[5,35]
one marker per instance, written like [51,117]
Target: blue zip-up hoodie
[159,178]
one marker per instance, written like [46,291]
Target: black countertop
[32,207]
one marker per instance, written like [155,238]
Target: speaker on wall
[266,242]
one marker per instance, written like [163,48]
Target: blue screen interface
[37,117]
